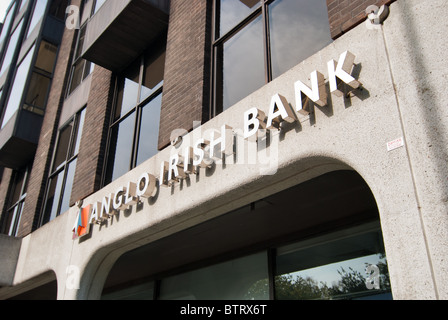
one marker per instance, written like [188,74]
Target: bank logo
[82,225]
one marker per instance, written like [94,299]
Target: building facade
[223,149]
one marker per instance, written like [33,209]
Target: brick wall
[42,160]
[346,14]
[185,91]
[94,136]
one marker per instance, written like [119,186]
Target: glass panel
[298,29]
[333,269]
[54,192]
[233,12]
[67,192]
[36,97]
[38,13]
[82,36]
[88,67]
[139,292]
[8,223]
[16,191]
[78,75]
[18,86]
[57,9]
[98,5]
[63,145]
[16,216]
[243,69]
[153,73]
[149,130]
[122,139]
[128,90]
[240,279]
[11,48]
[79,132]
[46,57]
[22,4]
[6,26]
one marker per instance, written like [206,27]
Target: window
[98,5]
[35,96]
[6,26]
[11,49]
[63,168]
[344,265]
[255,41]
[349,264]
[81,68]
[134,132]
[16,202]
[38,12]
[19,83]
[39,87]
[237,279]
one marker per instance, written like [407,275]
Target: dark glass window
[16,202]
[255,41]
[63,169]
[134,132]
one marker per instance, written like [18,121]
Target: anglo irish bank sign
[207,149]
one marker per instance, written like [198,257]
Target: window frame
[88,66]
[219,40]
[217,57]
[138,107]
[14,210]
[70,157]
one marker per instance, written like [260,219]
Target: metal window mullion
[267,44]
[238,27]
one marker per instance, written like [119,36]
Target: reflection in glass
[128,91]
[98,5]
[240,279]
[153,72]
[298,29]
[6,25]
[11,48]
[18,86]
[149,130]
[39,10]
[78,133]
[15,203]
[243,64]
[36,97]
[53,196]
[63,145]
[333,269]
[81,70]
[143,291]
[234,11]
[46,56]
[66,193]
[122,136]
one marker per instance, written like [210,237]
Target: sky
[4,4]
